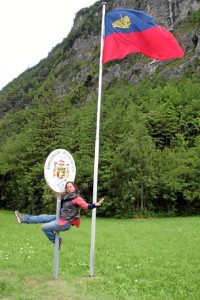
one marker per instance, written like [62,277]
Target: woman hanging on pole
[69,214]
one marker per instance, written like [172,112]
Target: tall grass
[134,259]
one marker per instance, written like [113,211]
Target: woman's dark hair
[74,185]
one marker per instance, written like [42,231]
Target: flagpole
[96,159]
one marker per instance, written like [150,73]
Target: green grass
[134,259]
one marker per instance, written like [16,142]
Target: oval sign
[58,169]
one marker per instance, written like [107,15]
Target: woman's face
[70,188]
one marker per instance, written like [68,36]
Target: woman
[69,214]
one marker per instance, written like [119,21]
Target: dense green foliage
[149,158]
[149,148]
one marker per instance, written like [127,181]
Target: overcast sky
[29,29]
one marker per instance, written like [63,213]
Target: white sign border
[56,183]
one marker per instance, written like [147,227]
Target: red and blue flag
[129,31]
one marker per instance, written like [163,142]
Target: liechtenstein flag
[129,31]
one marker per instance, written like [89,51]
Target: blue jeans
[50,227]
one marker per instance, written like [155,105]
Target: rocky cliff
[171,14]
[75,61]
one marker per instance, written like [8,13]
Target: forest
[149,158]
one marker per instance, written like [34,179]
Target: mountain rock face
[166,13]
[75,61]
[171,14]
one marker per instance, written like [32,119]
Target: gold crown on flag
[123,23]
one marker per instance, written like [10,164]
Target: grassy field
[134,259]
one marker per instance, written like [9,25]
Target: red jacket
[70,211]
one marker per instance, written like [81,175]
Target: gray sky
[29,29]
